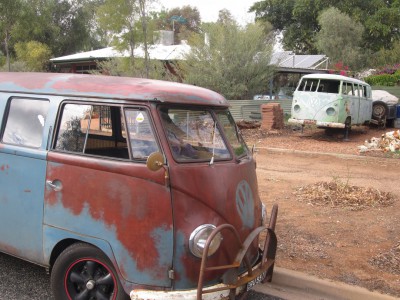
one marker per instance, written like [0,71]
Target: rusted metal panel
[218,194]
[124,203]
[108,87]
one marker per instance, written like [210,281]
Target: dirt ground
[358,247]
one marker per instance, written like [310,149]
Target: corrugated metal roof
[158,52]
[284,59]
[287,59]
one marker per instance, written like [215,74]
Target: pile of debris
[244,124]
[390,141]
[341,194]
[388,261]
[272,116]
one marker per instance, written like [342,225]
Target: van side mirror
[155,161]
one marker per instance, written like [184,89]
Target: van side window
[141,134]
[329,86]
[25,122]
[93,130]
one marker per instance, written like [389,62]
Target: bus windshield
[194,135]
[319,85]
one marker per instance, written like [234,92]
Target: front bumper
[233,283]
[317,123]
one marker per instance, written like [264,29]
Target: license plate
[256,281]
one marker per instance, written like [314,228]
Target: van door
[22,177]
[354,98]
[98,186]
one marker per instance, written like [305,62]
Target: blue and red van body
[140,219]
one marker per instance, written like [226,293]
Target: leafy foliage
[298,20]
[387,56]
[235,61]
[386,76]
[9,14]
[123,67]
[65,26]
[184,21]
[340,37]
[34,54]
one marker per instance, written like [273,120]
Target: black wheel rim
[90,279]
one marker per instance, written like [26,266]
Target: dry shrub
[340,194]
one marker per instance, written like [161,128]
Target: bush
[384,79]
[34,54]
[388,75]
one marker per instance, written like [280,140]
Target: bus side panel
[115,201]
[22,173]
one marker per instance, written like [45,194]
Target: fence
[249,110]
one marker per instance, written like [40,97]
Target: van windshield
[195,135]
[319,85]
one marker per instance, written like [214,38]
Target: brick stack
[272,116]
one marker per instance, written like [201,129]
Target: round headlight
[330,111]
[296,108]
[198,239]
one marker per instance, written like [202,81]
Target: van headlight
[331,111]
[198,238]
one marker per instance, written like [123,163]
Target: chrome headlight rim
[198,239]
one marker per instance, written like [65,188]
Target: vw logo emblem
[245,203]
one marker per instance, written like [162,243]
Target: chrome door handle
[55,185]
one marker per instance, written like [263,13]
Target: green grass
[394,90]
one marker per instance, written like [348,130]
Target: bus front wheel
[84,272]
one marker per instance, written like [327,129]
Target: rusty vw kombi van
[122,186]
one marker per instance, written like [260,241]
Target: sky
[209,8]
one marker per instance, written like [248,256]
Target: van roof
[109,87]
[334,77]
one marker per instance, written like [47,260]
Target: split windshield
[195,135]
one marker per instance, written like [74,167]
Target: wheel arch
[347,122]
[57,240]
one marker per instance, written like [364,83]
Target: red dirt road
[356,247]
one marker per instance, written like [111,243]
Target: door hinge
[171,274]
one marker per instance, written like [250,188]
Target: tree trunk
[6,40]
[142,5]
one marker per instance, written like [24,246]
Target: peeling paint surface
[314,106]
[21,204]
[206,194]
[115,201]
[109,87]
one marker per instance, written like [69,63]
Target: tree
[34,54]
[184,21]
[340,37]
[235,62]
[387,56]
[66,26]
[130,25]
[225,17]
[298,20]
[119,18]
[9,15]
